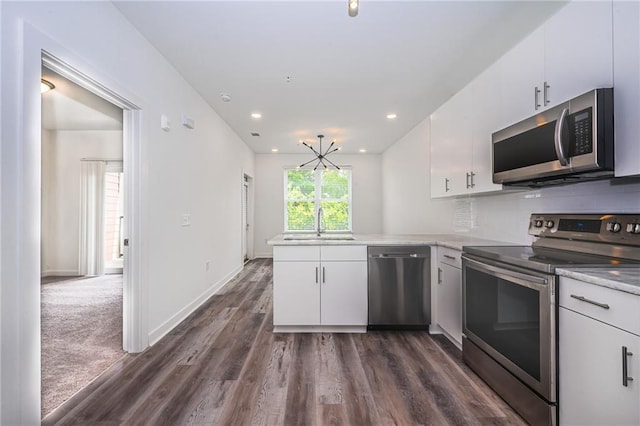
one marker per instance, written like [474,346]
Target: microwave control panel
[582,132]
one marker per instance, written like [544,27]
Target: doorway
[81,211]
[247,218]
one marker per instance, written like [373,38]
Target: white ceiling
[71,107]
[346,74]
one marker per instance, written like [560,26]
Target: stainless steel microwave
[567,143]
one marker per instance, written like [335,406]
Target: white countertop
[623,279]
[454,241]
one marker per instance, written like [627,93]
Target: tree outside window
[306,190]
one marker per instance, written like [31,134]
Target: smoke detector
[225,97]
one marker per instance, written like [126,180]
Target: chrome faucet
[319,220]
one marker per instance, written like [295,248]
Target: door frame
[21,212]
[130,147]
[246,235]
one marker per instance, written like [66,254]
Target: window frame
[317,201]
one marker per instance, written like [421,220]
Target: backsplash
[505,216]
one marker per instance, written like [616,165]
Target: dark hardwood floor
[224,366]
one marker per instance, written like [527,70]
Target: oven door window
[506,316]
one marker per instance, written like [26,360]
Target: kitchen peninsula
[320,282]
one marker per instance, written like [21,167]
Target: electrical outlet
[186,219]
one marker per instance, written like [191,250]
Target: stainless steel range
[510,302]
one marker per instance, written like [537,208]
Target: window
[306,190]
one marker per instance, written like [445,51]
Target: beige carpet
[81,334]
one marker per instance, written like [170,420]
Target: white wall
[269,192]
[198,172]
[61,155]
[407,204]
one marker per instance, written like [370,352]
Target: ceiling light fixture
[274,149]
[391,116]
[353,8]
[46,85]
[256,115]
[320,156]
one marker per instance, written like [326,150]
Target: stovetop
[544,259]
[572,240]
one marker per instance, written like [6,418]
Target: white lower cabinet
[296,293]
[596,355]
[320,286]
[449,293]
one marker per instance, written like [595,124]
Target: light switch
[187,122]
[164,123]
[186,219]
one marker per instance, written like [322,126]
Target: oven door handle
[506,273]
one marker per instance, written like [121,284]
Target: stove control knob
[549,224]
[614,227]
[633,228]
[538,223]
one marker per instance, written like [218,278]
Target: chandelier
[320,156]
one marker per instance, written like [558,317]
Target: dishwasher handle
[399,256]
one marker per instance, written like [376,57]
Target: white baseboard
[319,329]
[59,272]
[172,322]
[263,256]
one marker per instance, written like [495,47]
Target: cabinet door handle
[625,367]
[324,275]
[536,93]
[449,257]
[468,184]
[593,302]
[316,274]
[446,185]
[439,276]
[545,95]
[472,183]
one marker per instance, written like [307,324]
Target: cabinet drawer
[343,253]
[296,253]
[450,257]
[623,308]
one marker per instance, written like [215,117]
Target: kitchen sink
[307,237]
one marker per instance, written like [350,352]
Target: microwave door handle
[557,139]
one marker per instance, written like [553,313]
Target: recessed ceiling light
[256,115]
[255,134]
[363,150]
[225,97]
[274,149]
[391,116]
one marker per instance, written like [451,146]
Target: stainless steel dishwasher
[399,287]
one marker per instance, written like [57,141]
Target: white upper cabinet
[521,73]
[567,56]
[578,50]
[461,139]
[626,83]
[485,120]
[451,146]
